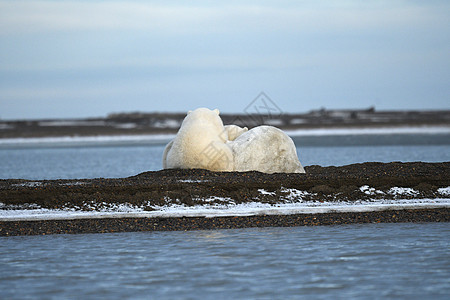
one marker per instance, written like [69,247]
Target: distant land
[137,123]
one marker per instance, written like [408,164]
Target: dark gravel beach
[13,228]
[192,187]
[189,187]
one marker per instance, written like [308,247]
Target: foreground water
[391,261]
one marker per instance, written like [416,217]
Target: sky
[77,59]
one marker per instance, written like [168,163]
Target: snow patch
[119,207]
[402,191]
[70,141]
[169,123]
[18,207]
[274,122]
[125,125]
[73,183]
[298,121]
[71,123]
[219,210]
[293,194]
[368,131]
[444,191]
[165,138]
[28,184]
[370,190]
[217,199]
[192,181]
[264,192]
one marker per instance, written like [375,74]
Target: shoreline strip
[109,225]
[243,210]
[163,138]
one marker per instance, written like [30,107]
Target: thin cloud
[328,52]
[68,16]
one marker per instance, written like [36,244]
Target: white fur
[266,149]
[203,142]
[200,143]
[234,131]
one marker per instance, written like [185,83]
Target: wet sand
[198,187]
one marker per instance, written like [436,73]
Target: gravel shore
[150,190]
[44,227]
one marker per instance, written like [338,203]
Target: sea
[360,261]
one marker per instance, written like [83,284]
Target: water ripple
[348,261]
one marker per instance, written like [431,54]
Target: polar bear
[200,143]
[265,149]
[204,142]
[233,131]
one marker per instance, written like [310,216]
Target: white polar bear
[233,131]
[203,142]
[265,149]
[200,143]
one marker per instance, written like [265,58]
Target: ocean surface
[94,160]
[362,261]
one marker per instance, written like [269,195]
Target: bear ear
[189,112]
[217,111]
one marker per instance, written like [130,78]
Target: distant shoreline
[163,139]
[141,124]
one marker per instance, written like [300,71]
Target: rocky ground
[193,187]
[152,190]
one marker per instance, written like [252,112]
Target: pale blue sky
[90,58]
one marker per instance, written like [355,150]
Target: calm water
[389,261]
[124,161]
[392,261]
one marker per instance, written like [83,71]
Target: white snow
[165,138]
[225,206]
[28,184]
[73,183]
[369,190]
[293,194]
[72,123]
[86,140]
[192,181]
[364,131]
[216,210]
[273,122]
[125,125]
[298,121]
[444,191]
[264,192]
[216,198]
[402,191]
[169,123]
[40,183]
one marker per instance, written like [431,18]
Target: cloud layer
[120,55]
